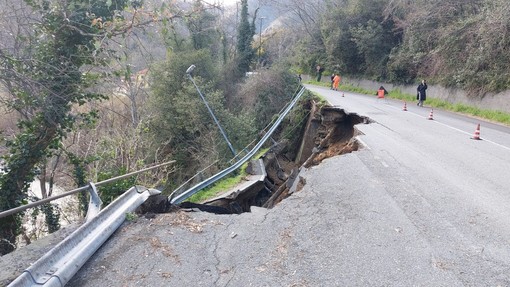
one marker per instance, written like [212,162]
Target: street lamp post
[188,72]
[260,38]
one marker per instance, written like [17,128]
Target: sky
[229,2]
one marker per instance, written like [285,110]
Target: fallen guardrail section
[60,264]
[187,193]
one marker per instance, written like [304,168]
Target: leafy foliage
[182,124]
[52,217]
[456,43]
[44,80]
[201,25]
[264,94]
[109,192]
[79,175]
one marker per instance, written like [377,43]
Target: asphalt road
[421,204]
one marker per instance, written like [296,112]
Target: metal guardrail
[60,264]
[186,194]
[95,202]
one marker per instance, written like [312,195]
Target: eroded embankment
[329,132]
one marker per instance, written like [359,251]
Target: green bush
[109,192]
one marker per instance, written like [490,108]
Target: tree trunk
[15,182]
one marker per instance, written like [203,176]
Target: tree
[245,33]
[44,80]
[181,124]
[374,36]
[306,20]
[202,26]
[268,92]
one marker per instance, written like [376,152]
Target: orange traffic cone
[476,136]
[431,117]
[405,107]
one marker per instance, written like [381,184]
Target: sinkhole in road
[328,131]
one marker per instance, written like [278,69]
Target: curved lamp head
[190,69]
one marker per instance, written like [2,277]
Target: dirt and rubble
[329,131]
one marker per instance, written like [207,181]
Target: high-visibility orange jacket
[336,81]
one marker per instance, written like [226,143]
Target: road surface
[421,204]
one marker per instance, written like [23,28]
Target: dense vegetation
[454,43]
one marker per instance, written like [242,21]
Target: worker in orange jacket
[336,82]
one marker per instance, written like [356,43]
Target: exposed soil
[329,132]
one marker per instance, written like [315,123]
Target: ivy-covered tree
[308,29]
[44,79]
[359,37]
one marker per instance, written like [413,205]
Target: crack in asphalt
[216,257]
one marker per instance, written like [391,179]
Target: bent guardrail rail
[60,264]
[186,194]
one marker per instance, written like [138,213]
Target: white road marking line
[456,129]
[489,141]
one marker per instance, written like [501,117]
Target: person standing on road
[421,96]
[336,82]
[332,78]
[319,70]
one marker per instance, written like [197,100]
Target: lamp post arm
[212,115]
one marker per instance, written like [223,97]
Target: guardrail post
[95,202]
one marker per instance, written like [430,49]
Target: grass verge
[224,184]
